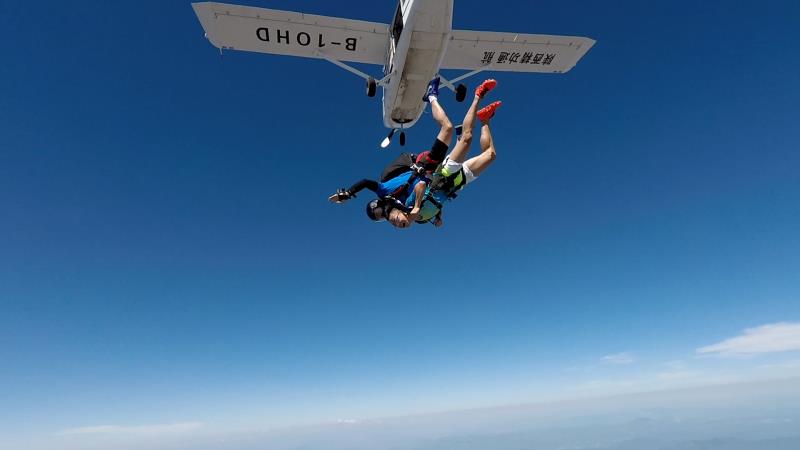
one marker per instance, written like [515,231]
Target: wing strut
[451,84]
[352,69]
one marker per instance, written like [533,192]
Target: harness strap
[429,198]
[412,180]
[446,184]
[393,203]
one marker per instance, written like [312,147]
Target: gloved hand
[341,196]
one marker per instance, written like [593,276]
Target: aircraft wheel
[402,138]
[372,87]
[461,93]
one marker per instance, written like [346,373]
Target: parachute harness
[450,184]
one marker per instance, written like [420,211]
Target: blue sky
[167,253]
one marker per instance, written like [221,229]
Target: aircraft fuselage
[417,45]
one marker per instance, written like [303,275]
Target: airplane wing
[512,52]
[291,33]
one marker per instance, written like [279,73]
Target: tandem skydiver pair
[414,188]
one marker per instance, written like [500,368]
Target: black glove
[343,194]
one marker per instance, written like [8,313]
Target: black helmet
[376,210]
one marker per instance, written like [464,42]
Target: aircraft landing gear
[387,141]
[372,87]
[461,92]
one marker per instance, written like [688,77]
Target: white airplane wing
[291,33]
[512,52]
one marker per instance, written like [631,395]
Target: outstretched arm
[372,185]
[346,194]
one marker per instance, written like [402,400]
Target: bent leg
[436,154]
[481,162]
[446,131]
[461,149]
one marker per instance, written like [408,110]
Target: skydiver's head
[399,219]
[379,210]
[376,210]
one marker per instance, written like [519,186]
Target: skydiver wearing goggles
[404,187]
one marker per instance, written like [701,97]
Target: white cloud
[135,430]
[678,375]
[771,338]
[782,365]
[675,365]
[619,358]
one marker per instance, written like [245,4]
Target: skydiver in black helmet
[404,174]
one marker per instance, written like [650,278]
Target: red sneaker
[485,87]
[488,112]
